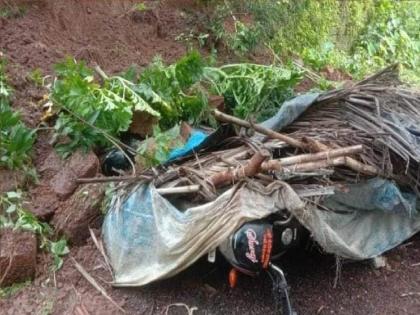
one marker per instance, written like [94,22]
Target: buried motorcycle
[253,247]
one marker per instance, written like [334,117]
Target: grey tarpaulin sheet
[147,238]
[289,111]
[372,217]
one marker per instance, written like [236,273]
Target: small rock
[51,165]
[79,212]
[211,291]
[17,256]
[378,262]
[79,165]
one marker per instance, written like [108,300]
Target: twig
[101,250]
[95,284]
[190,310]
[8,267]
[178,190]
[316,165]
[111,179]
[311,143]
[410,294]
[101,72]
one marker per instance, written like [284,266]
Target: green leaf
[11,208]
[59,248]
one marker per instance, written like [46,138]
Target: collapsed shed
[344,163]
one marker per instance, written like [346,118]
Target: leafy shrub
[84,103]
[16,140]
[392,35]
[355,36]
[252,89]
[177,85]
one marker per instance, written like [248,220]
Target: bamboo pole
[316,165]
[349,162]
[311,157]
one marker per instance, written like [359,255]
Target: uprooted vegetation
[92,113]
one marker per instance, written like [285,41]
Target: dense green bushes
[355,36]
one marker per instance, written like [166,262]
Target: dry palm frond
[383,118]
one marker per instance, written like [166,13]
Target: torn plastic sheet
[147,238]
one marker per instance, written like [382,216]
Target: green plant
[16,140]
[84,103]
[252,89]
[141,6]
[244,39]
[177,86]
[13,289]
[390,36]
[91,113]
[14,215]
[12,11]
[36,77]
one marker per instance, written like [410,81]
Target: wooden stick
[109,179]
[249,170]
[95,284]
[311,157]
[265,131]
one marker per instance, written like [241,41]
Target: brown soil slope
[110,33]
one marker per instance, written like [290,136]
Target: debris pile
[345,164]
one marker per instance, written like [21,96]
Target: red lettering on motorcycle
[252,241]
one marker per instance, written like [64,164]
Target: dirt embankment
[111,33]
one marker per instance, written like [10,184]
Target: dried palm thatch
[377,113]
